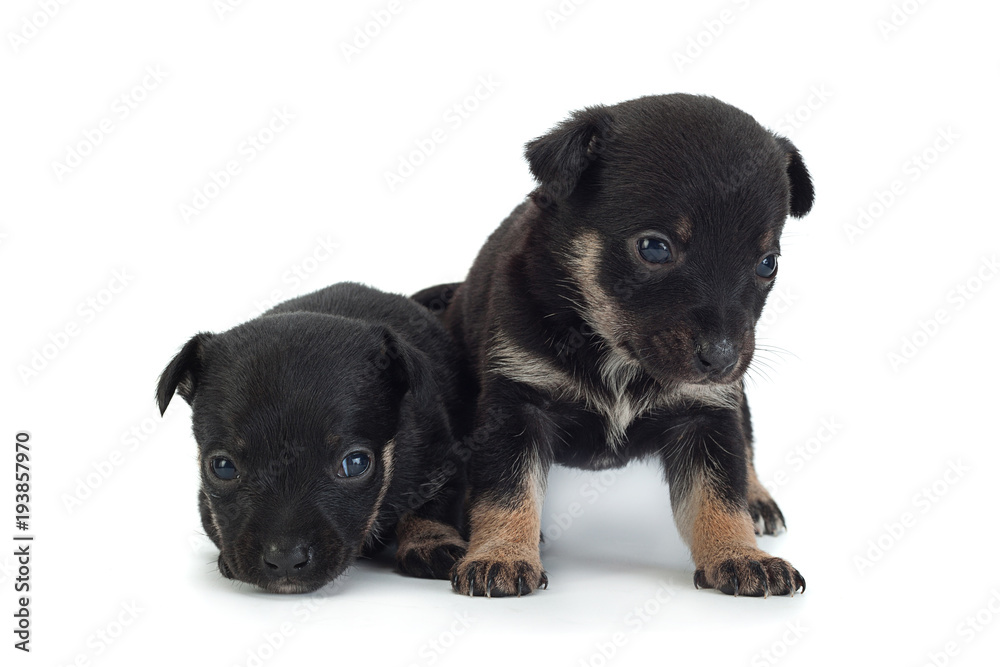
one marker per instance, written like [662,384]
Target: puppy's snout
[283,560]
[715,358]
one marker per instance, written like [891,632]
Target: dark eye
[223,468]
[768,266]
[654,250]
[354,464]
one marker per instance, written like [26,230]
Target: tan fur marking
[684,230]
[499,527]
[711,529]
[599,311]
[767,243]
[387,469]
[423,535]
[512,361]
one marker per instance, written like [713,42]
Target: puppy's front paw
[499,572]
[427,548]
[750,572]
[764,512]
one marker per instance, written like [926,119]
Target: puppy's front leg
[427,547]
[708,487]
[507,478]
[429,542]
[764,511]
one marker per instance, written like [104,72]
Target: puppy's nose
[287,560]
[715,358]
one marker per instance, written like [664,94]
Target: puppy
[316,424]
[611,317]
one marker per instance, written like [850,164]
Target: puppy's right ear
[181,374]
[559,158]
[799,182]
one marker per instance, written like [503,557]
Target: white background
[863,103]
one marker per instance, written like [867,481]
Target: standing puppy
[611,317]
[318,426]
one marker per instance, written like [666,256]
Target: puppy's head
[666,213]
[296,418]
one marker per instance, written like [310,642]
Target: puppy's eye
[768,266]
[223,468]
[654,250]
[354,465]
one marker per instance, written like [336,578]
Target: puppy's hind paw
[428,549]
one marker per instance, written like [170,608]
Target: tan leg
[503,557]
[723,546]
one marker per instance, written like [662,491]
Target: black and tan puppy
[317,425]
[611,317]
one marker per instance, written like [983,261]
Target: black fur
[561,284]
[286,396]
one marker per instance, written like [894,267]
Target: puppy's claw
[753,574]
[758,570]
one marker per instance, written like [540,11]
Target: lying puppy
[316,426]
[611,316]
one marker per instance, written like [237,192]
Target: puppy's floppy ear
[181,374]
[559,158]
[801,198]
[408,365]
[422,408]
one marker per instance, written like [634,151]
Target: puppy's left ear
[801,198]
[181,374]
[558,159]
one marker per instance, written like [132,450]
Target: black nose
[287,560]
[715,358]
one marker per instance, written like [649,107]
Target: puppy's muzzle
[715,358]
[291,561]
